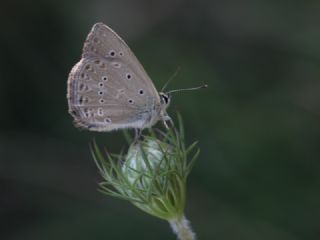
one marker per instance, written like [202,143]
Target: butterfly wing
[108,88]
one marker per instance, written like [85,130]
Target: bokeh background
[258,123]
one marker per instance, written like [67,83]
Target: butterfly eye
[165,98]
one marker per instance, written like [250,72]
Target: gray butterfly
[108,89]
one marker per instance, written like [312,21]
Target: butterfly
[108,89]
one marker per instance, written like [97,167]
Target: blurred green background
[258,123]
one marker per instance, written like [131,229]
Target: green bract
[152,175]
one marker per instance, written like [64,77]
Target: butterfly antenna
[170,79]
[188,89]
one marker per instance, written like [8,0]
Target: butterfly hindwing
[102,98]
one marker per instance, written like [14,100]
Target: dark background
[258,123]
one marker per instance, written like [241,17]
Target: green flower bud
[145,158]
[150,170]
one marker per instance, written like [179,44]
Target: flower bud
[150,170]
[145,158]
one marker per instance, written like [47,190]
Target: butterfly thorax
[157,111]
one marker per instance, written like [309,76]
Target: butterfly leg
[167,119]
[171,123]
[138,133]
[165,124]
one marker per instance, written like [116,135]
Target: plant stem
[182,228]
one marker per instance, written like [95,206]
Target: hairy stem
[181,227]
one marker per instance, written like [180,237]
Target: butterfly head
[165,100]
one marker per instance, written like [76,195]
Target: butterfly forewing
[108,88]
[104,42]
